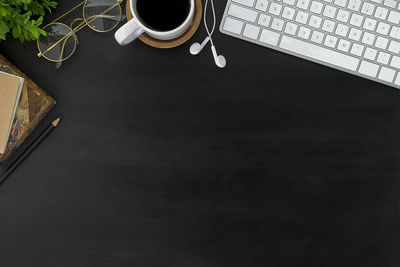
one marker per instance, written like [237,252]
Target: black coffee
[163,15]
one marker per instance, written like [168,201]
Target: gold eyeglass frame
[73,31]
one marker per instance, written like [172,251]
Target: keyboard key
[356,20]
[303,4]
[317,37]
[251,31]
[277,24]
[288,13]
[394,47]
[248,3]
[269,37]
[242,13]
[397,81]
[328,25]
[343,15]
[355,34]
[289,2]
[368,9]
[330,11]
[381,13]
[354,5]
[383,58]
[368,38]
[386,74]
[381,42]
[395,63]
[275,9]
[395,32]
[341,3]
[357,49]
[370,53]
[316,7]
[383,28]
[304,33]
[315,21]
[390,3]
[330,41]
[344,45]
[319,53]
[342,30]
[290,28]
[262,5]
[264,20]
[369,69]
[394,17]
[302,17]
[233,25]
[369,24]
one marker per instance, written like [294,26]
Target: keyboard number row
[318,7]
[302,17]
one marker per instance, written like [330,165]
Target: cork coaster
[145,38]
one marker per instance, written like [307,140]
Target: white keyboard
[361,37]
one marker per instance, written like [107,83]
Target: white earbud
[196,48]
[220,60]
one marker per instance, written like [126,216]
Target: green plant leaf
[4,29]
[16,31]
[20,19]
[3,11]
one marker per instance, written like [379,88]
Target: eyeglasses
[60,42]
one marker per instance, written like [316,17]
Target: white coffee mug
[135,27]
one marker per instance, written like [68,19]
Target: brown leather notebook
[33,105]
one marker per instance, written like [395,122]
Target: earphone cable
[205,20]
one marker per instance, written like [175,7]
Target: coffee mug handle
[128,32]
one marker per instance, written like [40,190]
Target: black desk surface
[165,160]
